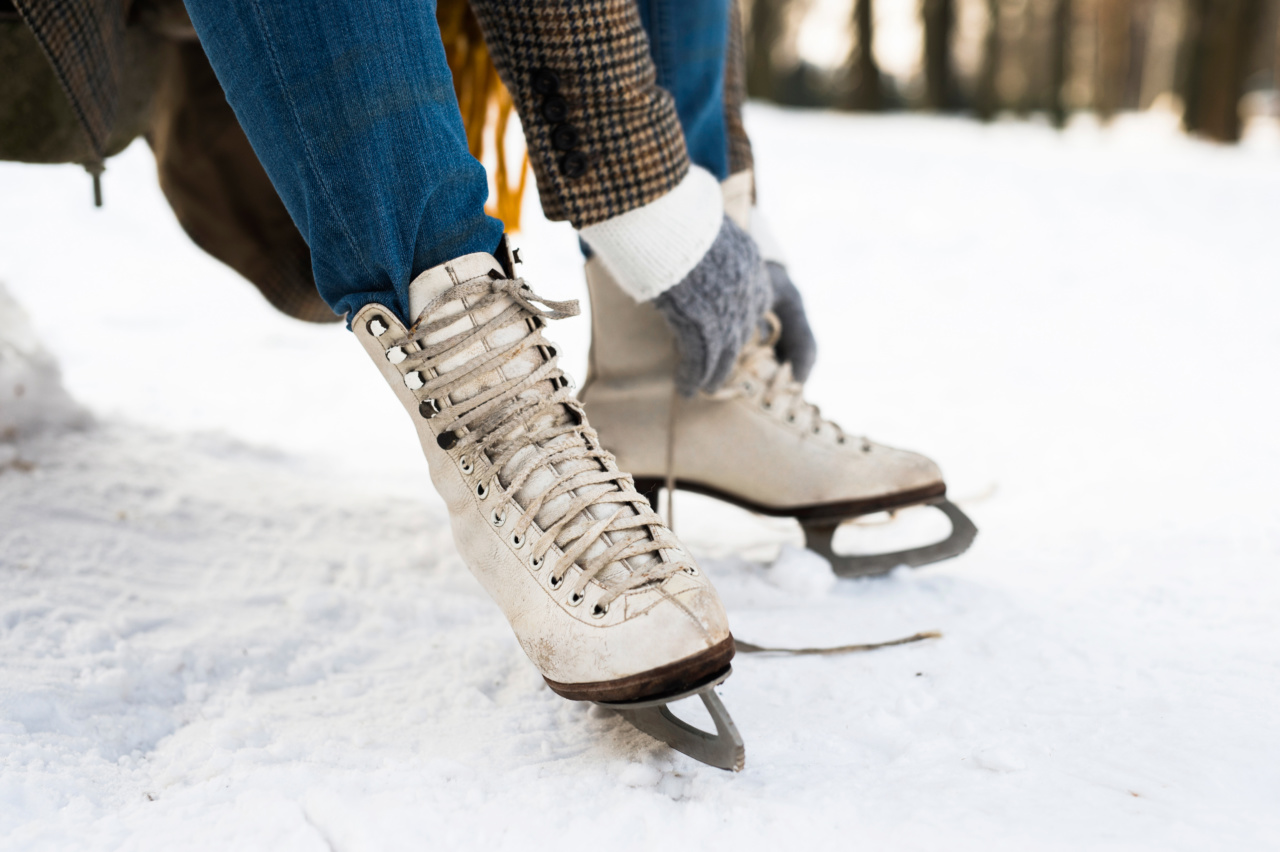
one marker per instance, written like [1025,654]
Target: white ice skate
[756,443]
[602,597]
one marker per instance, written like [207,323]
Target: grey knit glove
[796,342]
[716,308]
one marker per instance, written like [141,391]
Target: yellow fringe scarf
[482,98]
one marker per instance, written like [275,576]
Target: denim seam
[312,166]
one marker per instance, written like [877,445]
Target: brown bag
[84,78]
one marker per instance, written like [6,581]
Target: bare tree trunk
[1115,19]
[1160,65]
[763,34]
[1059,51]
[1220,42]
[1275,70]
[866,93]
[1141,27]
[939,22]
[986,101]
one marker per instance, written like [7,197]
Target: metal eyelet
[554,582]
[414,380]
[791,418]
[767,405]
[817,430]
[396,354]
[748,387]
[517,540]
[576,598]
[428,408]
[464,464]
[377,326]
[482,491]
[691,570]
[598,611]
[498,520]
[536,562]
[840,440]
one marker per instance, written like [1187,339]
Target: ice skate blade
[724,749]
[819,534]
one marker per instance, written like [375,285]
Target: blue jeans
[350,107]
[687,39]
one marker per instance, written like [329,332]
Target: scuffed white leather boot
[755,443]
[602,597]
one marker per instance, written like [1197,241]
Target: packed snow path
[231,615]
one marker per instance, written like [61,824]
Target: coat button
[545,81]
[555,109]
[565,137]
[574,164]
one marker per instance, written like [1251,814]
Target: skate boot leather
[601,595]
[755,443]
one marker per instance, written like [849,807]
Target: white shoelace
[520,422]
[757,365]
[781,392]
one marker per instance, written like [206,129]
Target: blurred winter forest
[1211,61]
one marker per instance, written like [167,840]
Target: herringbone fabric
[83,40]
[735,94]
[584,65]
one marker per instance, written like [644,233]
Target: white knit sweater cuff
[651,249]
[739,192]
[758,228]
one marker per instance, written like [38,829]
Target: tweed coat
[602,137]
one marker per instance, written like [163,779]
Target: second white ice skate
[756,443]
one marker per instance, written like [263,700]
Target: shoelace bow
[514,415]
[782,392]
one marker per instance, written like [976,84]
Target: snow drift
[231,615]
[32,398]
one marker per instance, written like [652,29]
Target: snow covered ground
[231,616]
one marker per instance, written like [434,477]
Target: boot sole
[655,684]
[649,485]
